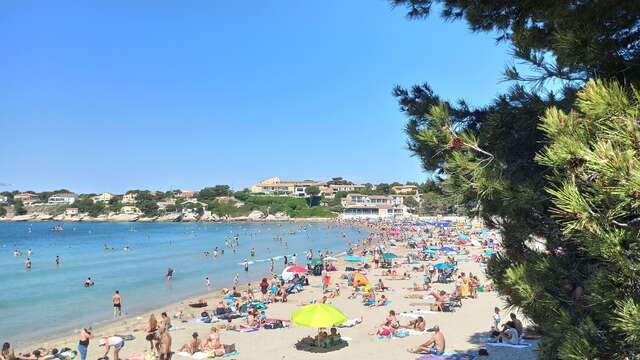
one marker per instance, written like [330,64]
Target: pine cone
[456,143]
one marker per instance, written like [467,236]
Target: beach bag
[229,348]
[274,325]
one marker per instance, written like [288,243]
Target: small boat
[198,304]
[57,228]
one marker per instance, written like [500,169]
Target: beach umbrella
[359,280]
[443,266]
[389,256]
[330,259]
[290,272]
[430,251]
[318,316]
[353,258]
[488,253]
[314,262]
[295,269]
[447,249]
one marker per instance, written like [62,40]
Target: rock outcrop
[256,215]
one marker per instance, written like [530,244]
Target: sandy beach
[465,329]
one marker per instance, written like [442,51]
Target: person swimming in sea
[169,274]
[246,265]
[57,260]
[88,283]
[27,264]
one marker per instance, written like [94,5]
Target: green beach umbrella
[314,262]
[318,316]
[389,256]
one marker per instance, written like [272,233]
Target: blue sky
[117,95]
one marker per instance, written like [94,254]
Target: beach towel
[244,330]
[445,356]
[350,323]
[518,346]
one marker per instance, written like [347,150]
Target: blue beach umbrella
[443,266]
[354,259]
[389,256]
[447,249]
[430,251]
[488,253]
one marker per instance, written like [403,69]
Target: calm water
[48,300]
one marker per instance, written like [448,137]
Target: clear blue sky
[116,95]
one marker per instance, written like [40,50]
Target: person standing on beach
[165,343]
[272,266]
[117,304]
[83,344]
[236,281]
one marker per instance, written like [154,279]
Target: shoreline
[466,329]
[144,220]
[103,326]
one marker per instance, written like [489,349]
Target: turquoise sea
[49,300]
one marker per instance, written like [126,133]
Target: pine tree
[563,190]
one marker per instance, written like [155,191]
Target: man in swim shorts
[117,304]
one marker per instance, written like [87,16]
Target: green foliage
[224,208]
[147,206]
[197,207]
[312,191]
[411,202]
[242,195]
[339,181]
[3,211]
[19,208]
[309,213]
[115,206]
[86,205]
[210,193]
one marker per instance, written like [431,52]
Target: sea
[50,300]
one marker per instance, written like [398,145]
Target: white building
[405,189]
[103,198]
[329,191]
[26,198]
[62,199]
[4,199]
[358,206]
[129,198]
[275,186]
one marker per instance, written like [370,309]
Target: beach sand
[465,329]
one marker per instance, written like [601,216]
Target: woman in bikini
[152,334]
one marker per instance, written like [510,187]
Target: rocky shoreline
[254,216]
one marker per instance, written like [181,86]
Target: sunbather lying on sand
[418,324]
